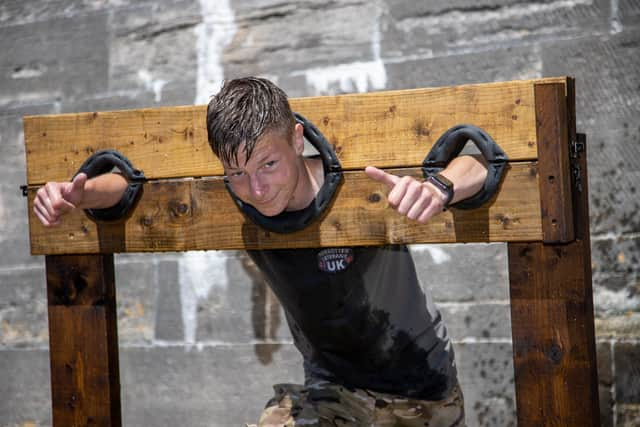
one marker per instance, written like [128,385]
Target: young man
[375,349]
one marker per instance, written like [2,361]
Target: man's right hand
[58,198]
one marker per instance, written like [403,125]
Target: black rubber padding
[290,221]
[451,143]
[105,161]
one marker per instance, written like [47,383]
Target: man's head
[253,132]
[242,112]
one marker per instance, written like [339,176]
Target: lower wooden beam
[198,214]
[83,341]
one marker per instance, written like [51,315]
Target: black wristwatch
[444,185]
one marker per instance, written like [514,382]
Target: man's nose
[257,187]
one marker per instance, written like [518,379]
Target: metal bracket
[25,190]
[576,147]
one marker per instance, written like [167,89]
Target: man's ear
[298,138]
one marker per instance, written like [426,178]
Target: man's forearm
[103,191]
[468,174]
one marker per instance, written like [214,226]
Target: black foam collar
[105,161]
[290,221]
[451,143]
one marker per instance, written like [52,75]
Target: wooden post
[83,340]
[551,296]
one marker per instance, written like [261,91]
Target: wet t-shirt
[360,318]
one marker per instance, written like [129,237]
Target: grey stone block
[153,49]
[485,372]
[58,57]
[511,63]
[12,151]
[14,12]
[207,386]
[484,321]
[14,233]
[25,388]
[605,383]
[625,326]
[613,301]
[441,28]
[136,301]
[605,70]
[615,264]
[318,34]
[23,308]
[404,9]
[627,380]
[628,415]
[241,308]
[145,257]
[17,12]
[613,154]
[109,102]
[629,14]
[294,86]
[169,323]
[605,367]
[612,143]
[463,272]
[18,107]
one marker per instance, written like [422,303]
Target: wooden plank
[385,129]
[180,215]
[553,155]
[552,318]
[83,341]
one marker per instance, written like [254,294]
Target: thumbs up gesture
[57,198]
[416,200]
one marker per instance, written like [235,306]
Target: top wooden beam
[392,130]
[386,129]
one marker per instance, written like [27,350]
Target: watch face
[444,181]
[444,185]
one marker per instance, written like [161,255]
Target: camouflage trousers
[322,403]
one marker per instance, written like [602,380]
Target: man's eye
[270,164]
[237,174]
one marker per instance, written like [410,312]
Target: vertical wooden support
[83,340]
[552,308]
[552,122]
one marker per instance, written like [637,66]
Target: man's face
[268,180]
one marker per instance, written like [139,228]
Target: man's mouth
[266,202]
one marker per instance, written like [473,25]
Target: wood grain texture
[83,340]
[553,155]
[384,129]
[180,215]
[553,335]
[552,317]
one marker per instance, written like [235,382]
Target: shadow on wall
[265,313]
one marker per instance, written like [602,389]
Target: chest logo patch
[334,260]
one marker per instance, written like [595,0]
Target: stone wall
[201,337]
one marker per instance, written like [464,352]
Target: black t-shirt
[360,318]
